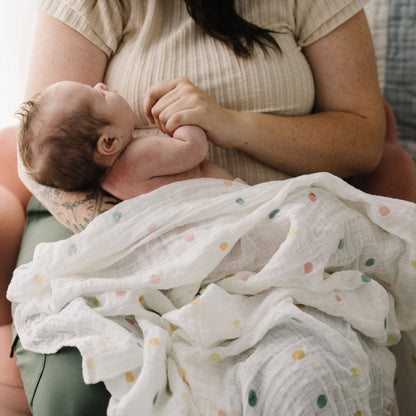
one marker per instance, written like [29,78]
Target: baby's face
[65,97]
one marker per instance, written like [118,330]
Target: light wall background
[17,20]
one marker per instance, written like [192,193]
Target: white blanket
[211,297]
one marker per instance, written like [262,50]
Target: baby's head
[71,134]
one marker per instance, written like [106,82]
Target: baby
[75,137]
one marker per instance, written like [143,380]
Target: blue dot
[155,398]
[385,323]
[240,201]
[341,244]
[365,278]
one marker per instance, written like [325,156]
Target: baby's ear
[108,145]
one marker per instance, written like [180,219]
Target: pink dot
[154,278]
[312,197]
[389,407]
[384,211]
[120,293]
[129,320]
[246,277]
[338,298]
[308,267]
[152,227]
[222,413]
[189,237]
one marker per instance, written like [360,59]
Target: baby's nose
[101,86]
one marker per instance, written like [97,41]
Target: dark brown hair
[64,157]
[219,19]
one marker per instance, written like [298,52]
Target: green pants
[53,382]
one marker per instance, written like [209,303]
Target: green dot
[297,320]
[240,201]
[385,323]
[322,401]
[117,216]
[370,262]
[274,213]
[155,398]
[365,278]
[252,398]
[72,249]
[341,244]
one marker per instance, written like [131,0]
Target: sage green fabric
[53,382]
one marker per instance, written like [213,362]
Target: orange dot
[141,298]
[154,341]
[129,376]
[357,413]
[196,301]
[338,298]
[298,355]
[223,246]
[38,280]
[228,183]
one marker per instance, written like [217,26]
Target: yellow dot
[106,338]
[214,357]
[355,371]
[154,341]
[229,275]
[141,298]
[129,376]
[228,183]
[196,301]
[172,327]
[96,302]
[90,363]
[298,354]
[391,339]
[38,280]
[291,231]
[357,413]
[185,397]
[236,323]
[414,264]
[223,246]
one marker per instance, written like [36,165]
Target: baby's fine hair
[66,150]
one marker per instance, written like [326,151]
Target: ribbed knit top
[152,40]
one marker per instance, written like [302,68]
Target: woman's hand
[178,102]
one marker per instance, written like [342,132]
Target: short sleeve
[316,18]
[101,22]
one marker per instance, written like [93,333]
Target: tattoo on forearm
[74,211]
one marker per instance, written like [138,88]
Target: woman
[303,98]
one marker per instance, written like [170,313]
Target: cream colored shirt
[153,40]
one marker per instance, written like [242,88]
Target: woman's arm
[61,53]
[343,136]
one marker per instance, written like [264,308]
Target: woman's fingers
[159,90]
